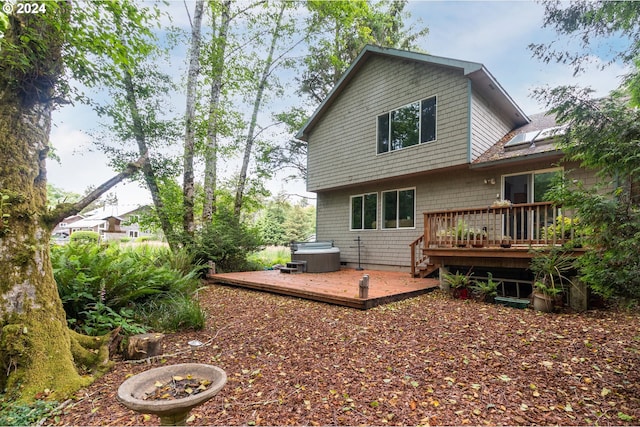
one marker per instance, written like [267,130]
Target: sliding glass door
[527,188]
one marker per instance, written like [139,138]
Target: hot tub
[321,257]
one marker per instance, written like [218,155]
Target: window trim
[389,114]
[382,210]
[362,195]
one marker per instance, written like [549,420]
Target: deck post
[442,270]
[578,295]
[364,287]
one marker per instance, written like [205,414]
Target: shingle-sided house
[112,222]
[409,146]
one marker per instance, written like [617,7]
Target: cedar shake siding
[342,146]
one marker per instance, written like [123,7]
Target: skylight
[522,139]
[549,133]
[533,137]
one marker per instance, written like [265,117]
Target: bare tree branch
[64,210]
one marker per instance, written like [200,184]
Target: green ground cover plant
[136,288]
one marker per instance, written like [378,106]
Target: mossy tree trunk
[39,355]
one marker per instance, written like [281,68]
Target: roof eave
[517,159]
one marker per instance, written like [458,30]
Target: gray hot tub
[321,257]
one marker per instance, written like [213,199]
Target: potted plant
[477,236]
[458,283]
[550,269]
[487,290]
[501,204]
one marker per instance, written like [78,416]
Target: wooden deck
[340,287]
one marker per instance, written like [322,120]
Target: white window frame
[389,114]
[382,209]
[363,205]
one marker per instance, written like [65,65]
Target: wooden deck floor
[340,287]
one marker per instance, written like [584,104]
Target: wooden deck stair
[425,268]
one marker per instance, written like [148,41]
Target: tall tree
[603,135]
[221,16]
[608,27]
[280,30]
[139,93]
[338,32]
[189,119]
[37,350]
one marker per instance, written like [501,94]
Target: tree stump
[143,346]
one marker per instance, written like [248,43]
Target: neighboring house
[112,222]
[404,133]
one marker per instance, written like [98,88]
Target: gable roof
[482,79]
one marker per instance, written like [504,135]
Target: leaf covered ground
[429,360]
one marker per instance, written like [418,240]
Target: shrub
[226,242]
[486,290]
[84,236]
[100,285]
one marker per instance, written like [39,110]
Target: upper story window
[364,212]
[407,126]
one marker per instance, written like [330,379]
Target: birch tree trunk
[257,104]
[211,146]
[189,137]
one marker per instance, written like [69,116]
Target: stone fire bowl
[131,393]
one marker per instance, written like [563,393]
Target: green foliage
[20,414]
[226,241]
[340,30]
[176,313]
[99,319]
[270,256]
[281,223]
[593,24]
[568,228]
[84,237]
[102,287]
[603,136]
[488,289]
[56,196]
[551,269]
[457,280]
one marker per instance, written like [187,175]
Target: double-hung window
[364,212]
[399,208]
[409,125]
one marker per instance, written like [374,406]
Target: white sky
[494,33]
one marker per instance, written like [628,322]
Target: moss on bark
[39,355]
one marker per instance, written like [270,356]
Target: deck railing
[506,226]
[541,223]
